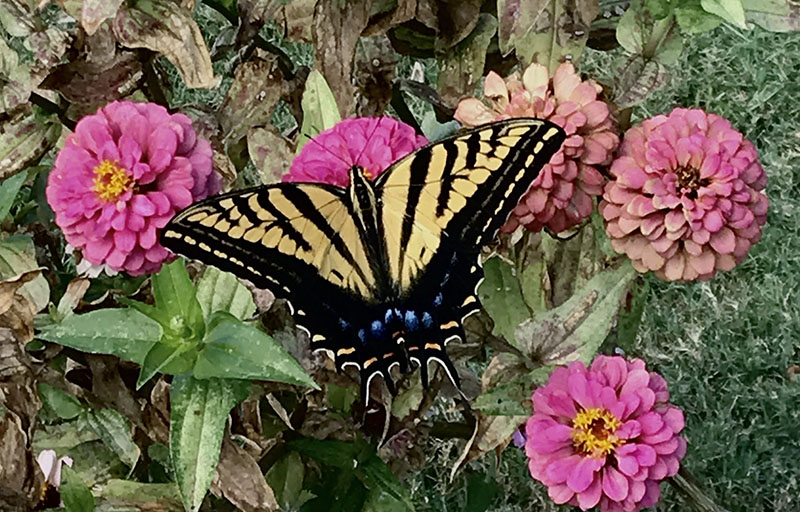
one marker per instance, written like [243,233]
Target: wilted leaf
[76,289]
[319,108]
[236,350]
[545,31]
[409,400]
[296,18]
[23,141]
[48,46]
[512,396]
[456,20]
[635,29]
[575,329]
[337,27]
[252,97]
[9,288]
[501,297]
[90,83]
[773,15]
[95,12]
[393,13]
[636,79]
[731,11]
[374,73]
[125,333]
[176,296]
[17,17]
[269,152]
[18,256]
[169,29]
[240,480]
[15,80]
[200,410]
[116,433]
[461,68]
[75,493]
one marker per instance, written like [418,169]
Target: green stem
[693,493]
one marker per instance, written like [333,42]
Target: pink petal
[615,485]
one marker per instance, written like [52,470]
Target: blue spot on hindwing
[362,335]
[437,301]
[343,324]
[411,321]
[388,317]
[427,320]
[377,329]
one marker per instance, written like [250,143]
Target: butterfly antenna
[326,148]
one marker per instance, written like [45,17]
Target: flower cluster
[562,195]
[687,197]
[373,143]
[604,435]
[121,176]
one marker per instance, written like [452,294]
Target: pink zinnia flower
[562,195]
[372,143]
[687,199]
[121,176]
[604,435]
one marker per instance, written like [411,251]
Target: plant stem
[693,493]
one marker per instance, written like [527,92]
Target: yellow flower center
[110,180]
[593,432]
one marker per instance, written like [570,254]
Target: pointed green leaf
[125,333]
[337,454]
[773,15]
[731,11]
[8,192]
[236,350]
[200,409]
[222,291]
[319,108]
[65,406]
[166,358]
[376,475]
[76,495]
[175,294]
[285,477]
[159,315]
[501,296]
[115,431]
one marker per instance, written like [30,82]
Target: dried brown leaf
[92,84]
[240,480]
[252,97]
[336,31]
[9,288]
[461,68]
[636,79]
[400,12]
[297,20]
[23,141]
[269,152]
[169,29]
[375,65]
[95,12]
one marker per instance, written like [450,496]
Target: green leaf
[115,431]
[380,501]
[200,409]
[161,316]
[137,491]
[65,406]
[694,20]
[125,333]
[166,358]
[221,291]
[481,492]
[337,454]
[319,108]
[236,350]
[509,398]
[501,296]
[434,130]
[773,15]
[17,256]
[630,314]
[76,495]
[174,293]
[376,475]
[8,192]
[637,26]
[285,477]
[576,329]
[731,11]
